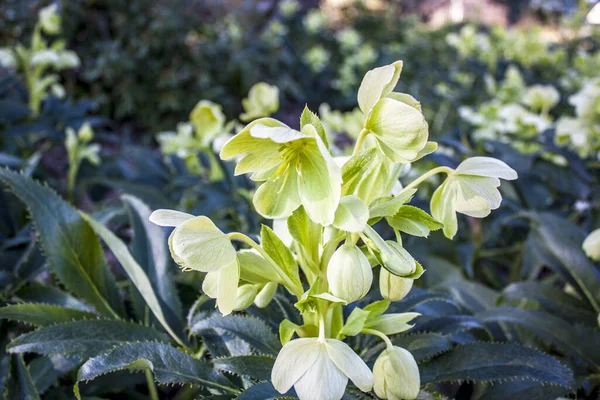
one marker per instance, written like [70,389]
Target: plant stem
[361,138]
[427,175]
[295,288]
[381,335]
[152,391]
[72,176]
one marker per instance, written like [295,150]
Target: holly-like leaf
[492,362]
[414,221]
[20,386]
[46,370]
[42,314]
[71,246]
[83,339]
[251,330]
[257,367]
[169,366]
[134,271]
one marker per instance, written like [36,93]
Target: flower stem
[294,287]
[152,391]
[381,335]
[361,138]
[427,175]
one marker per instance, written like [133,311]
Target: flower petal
[278,198]
[376,84]
[486,166]
[319,184]
[227,287]
[323,380]
[350,364]
[164,217]
[277,134]
[443,206]
[200,245]
[294,359]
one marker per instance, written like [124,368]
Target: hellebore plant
[40,57]
[323,248]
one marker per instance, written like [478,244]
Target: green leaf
[554,300]
[355,322]
[386,206]
[424,346]
[563,240]
[279,252]
[169,365]
[523,390]
[308,117]
[492,362]
[20,386]
[579,342]
[377,308]
[134,271]
[149,248]
[414,221]
[353,170]
[42,314]
[36,293]
[286,330]
[83,339]
[73,250]
[257,367]
[251,330]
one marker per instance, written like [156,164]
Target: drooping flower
[196,243]
[393,287]
[394,119]
[262,101]
[349,273]
[295,168]
[396,375]
[319,369]
[591,245]
[50,19]
[208,120]
[471,189]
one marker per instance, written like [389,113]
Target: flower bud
[591,245]
[262,101]
[393,287]
[396,375]
[349,273]
[85,133]
[208,119]
[245,296]
[266,294]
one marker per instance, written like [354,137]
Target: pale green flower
[296,169]
[45,57]
[196,243]
[317,58]
[392,287]
[208,120]
[289,7]
[319,369]
[591,245]
[183,142]
[49,19]
[349,273]
[587,101]
[394,119]
[7,58]
[314,20]
[396,375]
[67,59]
[575,133]
[348,38]
[471,189]
[541,97]
[262,101]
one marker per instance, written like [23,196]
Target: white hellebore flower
[349,273]
[196,243]
[471,190]
[541,97]
[50,19]
[262,101]
[319,369]
[7,58]
[591,245]
[396,375]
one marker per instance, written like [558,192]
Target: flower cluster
[207,128]
[323,248]
[40,57]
